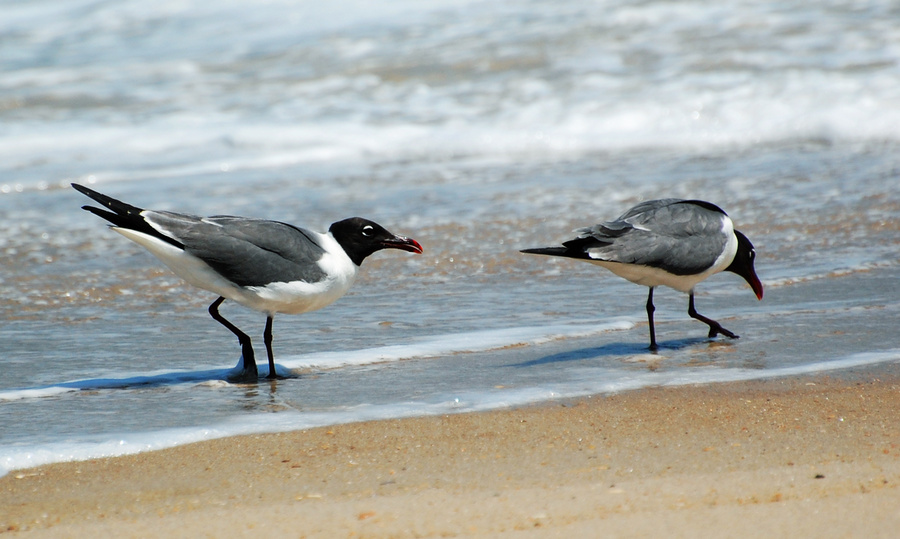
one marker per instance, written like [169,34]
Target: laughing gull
[670,242]
[267,266]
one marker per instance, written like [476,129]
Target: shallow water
[478,129]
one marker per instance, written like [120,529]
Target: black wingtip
[108,215]
[117,206]
[122,215]
[551,251]
[80,188]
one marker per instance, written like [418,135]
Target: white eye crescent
[368,230]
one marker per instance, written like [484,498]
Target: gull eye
[368,230]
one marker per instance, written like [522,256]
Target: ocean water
[478,128]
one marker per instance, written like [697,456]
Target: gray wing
[247,252]
[682,237]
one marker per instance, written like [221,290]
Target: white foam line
[162,377]
[433,346]
[863,359]
[18,457]
[455,343]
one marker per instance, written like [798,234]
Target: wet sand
[812,456]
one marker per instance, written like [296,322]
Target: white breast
[300,297]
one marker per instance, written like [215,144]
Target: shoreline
[814,454]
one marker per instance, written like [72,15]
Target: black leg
[714,327]
[267,337]
[246,347]
[650,310]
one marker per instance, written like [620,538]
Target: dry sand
[805,457]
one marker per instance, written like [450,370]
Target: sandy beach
[812,456]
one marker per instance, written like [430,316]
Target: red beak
[403,243]
[756,285]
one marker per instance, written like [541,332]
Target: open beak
[403,243]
